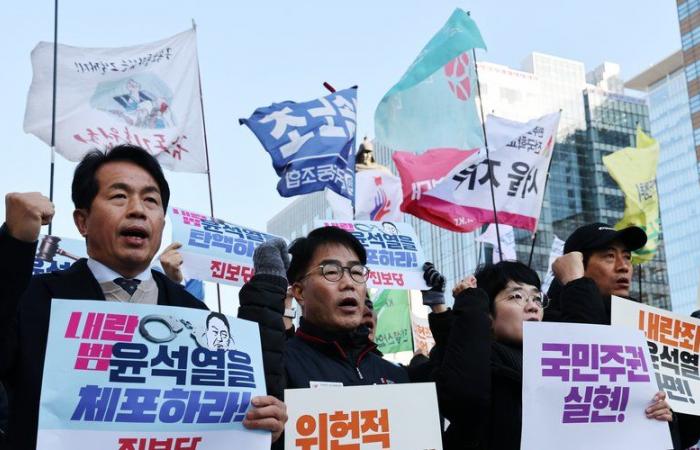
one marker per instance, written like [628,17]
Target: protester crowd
[477,363]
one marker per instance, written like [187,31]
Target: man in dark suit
[120,198]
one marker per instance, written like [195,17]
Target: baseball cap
[599,235]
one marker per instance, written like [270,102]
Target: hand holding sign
[659,410]
[25,213]
[268,413]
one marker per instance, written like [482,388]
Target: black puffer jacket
[314,354]
[479,380]
[262,301]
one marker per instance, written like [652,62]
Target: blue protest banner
[131,376]
[312,144]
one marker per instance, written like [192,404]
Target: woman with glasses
[479,375]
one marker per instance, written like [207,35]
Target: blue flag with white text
[312,144]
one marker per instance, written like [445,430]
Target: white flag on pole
[378,196]
[518,165]
[146,95]
[556,252]
[507,241]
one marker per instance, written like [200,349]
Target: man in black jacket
[596,265]
[328,279]
[120,199]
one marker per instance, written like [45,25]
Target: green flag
[393,332]
[433,105]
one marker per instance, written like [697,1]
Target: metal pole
[544,188]
[53,105]
[488,159]
[206,153]
[532,249]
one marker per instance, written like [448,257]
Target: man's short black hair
[218,315]
[303,249]
[85,186]
[493,278]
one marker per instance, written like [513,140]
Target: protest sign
[674,347]
[57,253]
[146,95]
[587,386]
[356,417]
[394,255]
[215,250]
[131,377]
[423,340]
[393,331]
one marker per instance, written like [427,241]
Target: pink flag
[419,173]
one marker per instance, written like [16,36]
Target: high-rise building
[596,119]
[689,22]
[677,180]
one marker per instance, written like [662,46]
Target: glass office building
[677,178]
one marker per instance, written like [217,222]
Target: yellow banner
[634,170]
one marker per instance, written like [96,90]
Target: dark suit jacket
[24,333]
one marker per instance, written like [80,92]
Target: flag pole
[332,90]
[546,181]
[206,154]
[53,105]
[532,248]
[488,159]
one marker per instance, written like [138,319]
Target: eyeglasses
[333,272]
[541,299]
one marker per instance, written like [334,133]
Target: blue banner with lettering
[312,144]
[130,376]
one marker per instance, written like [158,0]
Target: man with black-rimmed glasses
[328,279]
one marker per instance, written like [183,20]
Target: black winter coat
[314,354]
[479,380]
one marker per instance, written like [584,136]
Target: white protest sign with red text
[213,249]
[363,417]
[674,346]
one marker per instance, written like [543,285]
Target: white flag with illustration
[146,95]
[517,167]
[378,195]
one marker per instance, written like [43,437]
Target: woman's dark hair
[493,278]
[303,249]
[85,186]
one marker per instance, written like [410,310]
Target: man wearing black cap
[596,264]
